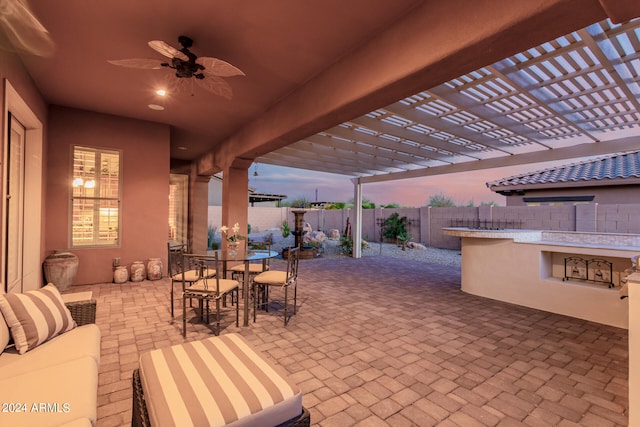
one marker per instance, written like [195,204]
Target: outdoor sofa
[49,360]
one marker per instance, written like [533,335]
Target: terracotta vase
[60,268]
[154,269]
[138,271]
[120,275]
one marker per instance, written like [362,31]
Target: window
[95,217]
[178,190]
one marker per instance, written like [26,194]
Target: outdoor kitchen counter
[628,244]
[529,268]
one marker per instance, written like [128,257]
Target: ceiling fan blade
[217,86]
[218,67]
[147,64]
[166,50]
[21,31]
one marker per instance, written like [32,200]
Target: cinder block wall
[426,223]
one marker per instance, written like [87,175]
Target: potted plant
[285,229]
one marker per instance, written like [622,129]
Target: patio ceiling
[574,96]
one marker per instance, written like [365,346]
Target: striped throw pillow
[35,316]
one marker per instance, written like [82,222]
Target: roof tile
[619,165]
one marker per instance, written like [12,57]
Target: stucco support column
[198,211]
[235,195]
[633,283]
[356,228]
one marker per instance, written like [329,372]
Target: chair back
[175,259]
[292,264]
[207,265]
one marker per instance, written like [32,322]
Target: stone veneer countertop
[627,242]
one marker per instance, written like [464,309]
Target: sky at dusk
[462,187]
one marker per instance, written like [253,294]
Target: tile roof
[615,166]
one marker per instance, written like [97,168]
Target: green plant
[285,229]
[248,229]
[211,236]
[441,201]
[300,202]
[346,245]
[403,237]
[395,226]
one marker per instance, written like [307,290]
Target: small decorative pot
[154,269]
[120,275]
[138,271]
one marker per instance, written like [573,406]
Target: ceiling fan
[206,71]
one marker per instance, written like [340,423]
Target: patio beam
[571,152]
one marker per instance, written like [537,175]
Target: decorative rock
[334,234]
[414,245]
[306,228]
[138,271]
[154,269]
[120,275]
[60,268]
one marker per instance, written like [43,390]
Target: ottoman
[219,381]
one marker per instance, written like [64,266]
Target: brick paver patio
[383,341]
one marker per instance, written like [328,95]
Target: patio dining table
[245,255]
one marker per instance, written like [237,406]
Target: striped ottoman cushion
[214,382]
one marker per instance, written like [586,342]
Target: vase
[233,247]
[138,271]
[154,269]
[60,268]
[120,275]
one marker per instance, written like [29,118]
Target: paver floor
[382,341]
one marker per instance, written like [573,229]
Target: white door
[14,207]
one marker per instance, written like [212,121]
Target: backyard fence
[425,224]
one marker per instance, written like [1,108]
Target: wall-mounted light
[78,182]
[90,184]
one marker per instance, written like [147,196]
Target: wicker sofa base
[140,416]
[83,312]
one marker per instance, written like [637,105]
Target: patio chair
[277,278]
[255,268]
[179,271]
[209,288]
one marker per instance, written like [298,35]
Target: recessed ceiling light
[161,92]
[156,107]
[183,148]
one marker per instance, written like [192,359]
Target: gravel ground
[332,249]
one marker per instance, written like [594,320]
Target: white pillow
[35,316]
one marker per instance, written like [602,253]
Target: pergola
[575,96]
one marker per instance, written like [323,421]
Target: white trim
[32,269]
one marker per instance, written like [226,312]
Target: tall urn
[60,268]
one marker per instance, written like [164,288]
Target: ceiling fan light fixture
[208,72]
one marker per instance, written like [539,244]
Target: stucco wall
[145,187]
[526,279]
